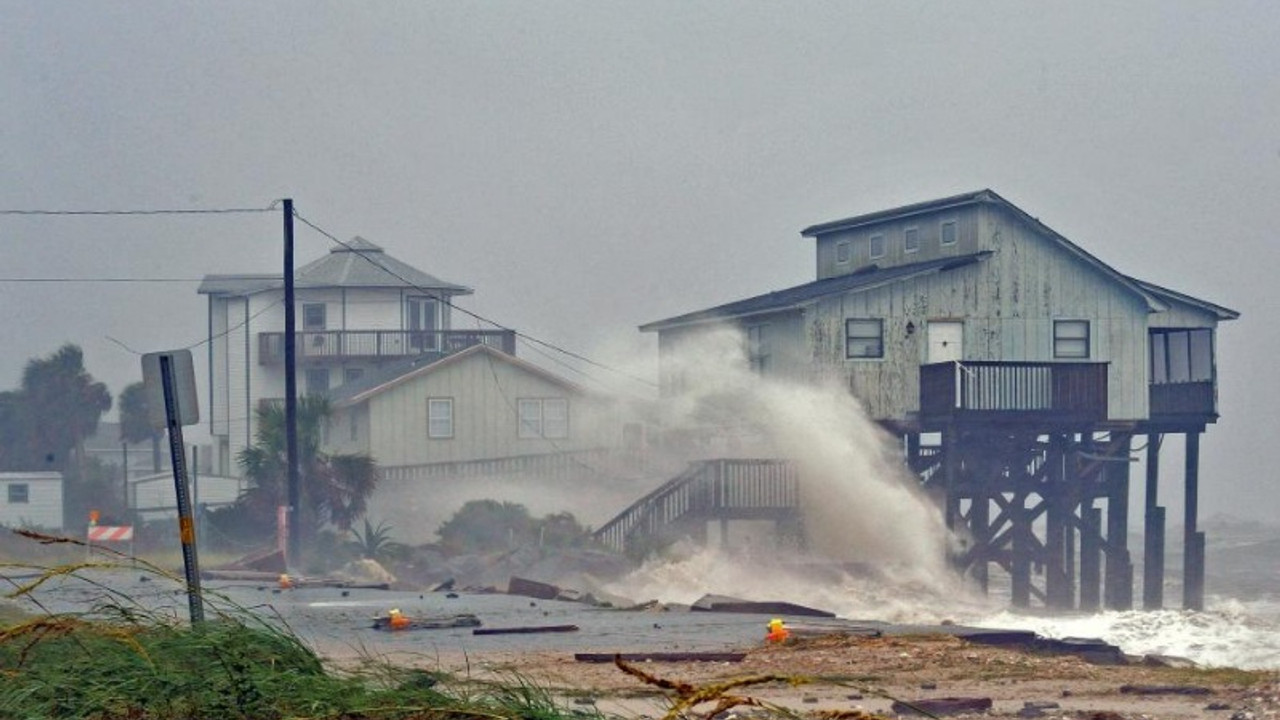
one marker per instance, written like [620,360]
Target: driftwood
[525,630]
[660,657]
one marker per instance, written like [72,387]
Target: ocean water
[1240,626]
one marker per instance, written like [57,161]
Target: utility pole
[290,390]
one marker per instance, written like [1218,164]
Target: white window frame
[12,494]
[844,252]
[1060,339]
[879,336]
[542,418]
[942,233]
[907,233]
[871,246]
[439,418]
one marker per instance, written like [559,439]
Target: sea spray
[687,573]
[859,503]
[1228,634]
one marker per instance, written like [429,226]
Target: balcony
[330,345]
[1055,393]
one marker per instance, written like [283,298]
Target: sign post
[170,378]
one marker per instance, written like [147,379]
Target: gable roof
[400,373]
[1218,311]
[357,264]
[861,281]
[1153,300]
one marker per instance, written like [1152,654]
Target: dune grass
[118,661]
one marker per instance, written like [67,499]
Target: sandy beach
[846,674]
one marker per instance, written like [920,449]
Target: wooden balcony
[1046,392]
[331,345]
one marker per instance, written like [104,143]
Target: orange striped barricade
[103,534]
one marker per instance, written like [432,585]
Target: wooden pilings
[1153,531]
[1193,539]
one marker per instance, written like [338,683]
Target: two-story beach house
[1015,366]
[449,415]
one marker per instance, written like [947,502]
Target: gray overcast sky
[590,166]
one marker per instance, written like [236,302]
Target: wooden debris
[719,603]
[531,588]
[525,630]
[942,706]
[1164,690]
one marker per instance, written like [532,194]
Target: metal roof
[793,297]
[927,206]
[357,264]
[1153,300]
[397,373]
[1218,311]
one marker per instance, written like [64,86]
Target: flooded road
[338,622]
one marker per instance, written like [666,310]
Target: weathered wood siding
[1008,304]
[1182,315]
[929,227]
[485,394]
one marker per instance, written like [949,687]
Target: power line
[445,300]
[96,280]
[161,211]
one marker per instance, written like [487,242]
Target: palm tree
[135,421]
[62,404]
[334,489]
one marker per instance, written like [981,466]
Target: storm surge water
[877,545]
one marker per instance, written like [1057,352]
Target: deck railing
[708,488]
[1076,391]
[372,344]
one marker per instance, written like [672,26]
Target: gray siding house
[1016,368]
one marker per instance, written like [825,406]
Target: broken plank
[525,630]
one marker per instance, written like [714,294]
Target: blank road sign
[184,386]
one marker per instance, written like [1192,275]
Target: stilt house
[1017,369]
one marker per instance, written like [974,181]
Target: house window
[877,246]
[439,417]
[351,375]
[758,348]
[1071,339]
[910,240]
[313,316]
[543,417]
[842,252]
[19,494]
[422,319]
[863,338]
[317,381]
[1180,356]
[948,233]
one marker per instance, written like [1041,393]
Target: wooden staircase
[724,489]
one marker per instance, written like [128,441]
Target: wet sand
[846,673]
